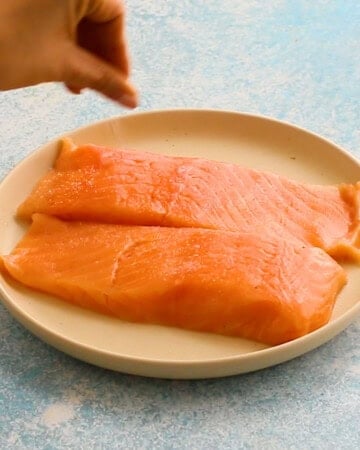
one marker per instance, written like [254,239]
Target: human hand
[79,42]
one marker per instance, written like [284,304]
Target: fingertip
[128,88]
[88,71]
[128,100]
[127,95]
[73,89]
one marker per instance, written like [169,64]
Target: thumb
[84,70]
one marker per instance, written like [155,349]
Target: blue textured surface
[295,60]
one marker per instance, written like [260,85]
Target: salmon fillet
[248,285]
[115,186]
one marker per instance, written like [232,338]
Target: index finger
[103,32]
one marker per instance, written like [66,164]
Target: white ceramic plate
[168,352]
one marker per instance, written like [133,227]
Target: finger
[73,89]
[104,10]
[106,40]
[84,70]
[111,15]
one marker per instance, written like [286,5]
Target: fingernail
[128,100]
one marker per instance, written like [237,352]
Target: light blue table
[296,60]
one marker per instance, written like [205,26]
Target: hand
[79,42]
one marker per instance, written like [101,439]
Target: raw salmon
[128,187]
[249,285]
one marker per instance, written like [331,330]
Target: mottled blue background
[296,60]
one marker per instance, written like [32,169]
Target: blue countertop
[296,60]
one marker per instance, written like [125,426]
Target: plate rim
[130,115]
[319,335]
[342,320]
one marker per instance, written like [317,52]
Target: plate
[157,351]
